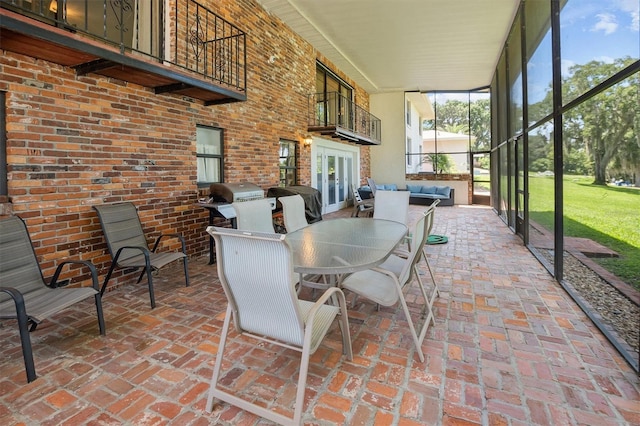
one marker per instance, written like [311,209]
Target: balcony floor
[509,347]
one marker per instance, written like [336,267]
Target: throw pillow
[414,188]
[443,190]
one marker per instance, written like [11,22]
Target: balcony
[334,115]
[194,53]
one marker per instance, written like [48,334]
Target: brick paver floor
[509,347]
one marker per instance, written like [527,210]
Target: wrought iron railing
[331,109]
[184,33]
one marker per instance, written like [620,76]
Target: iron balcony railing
[184,33]
[329,110]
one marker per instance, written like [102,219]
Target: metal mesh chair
[255,271]
[254,215]
[293,212]
[25,296]
[128,246]
[385,286]
[392,205]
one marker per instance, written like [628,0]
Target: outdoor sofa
[427,194]
[420,194]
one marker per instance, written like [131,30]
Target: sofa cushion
[414,188]
[443,190]
[391,187]
[428,190]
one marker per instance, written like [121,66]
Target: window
[460,125]
[209,142]
[408,113]
[334,99]
[288,162]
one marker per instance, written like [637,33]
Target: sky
[599,30]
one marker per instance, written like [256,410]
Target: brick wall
[77,141]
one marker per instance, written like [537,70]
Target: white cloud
[632,7]
[606,23]
[635,21]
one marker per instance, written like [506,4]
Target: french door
[335,174]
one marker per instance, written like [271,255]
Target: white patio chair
[392,205]
[293,212]
[254,215]
[396,261]
[386,288]
[255,271]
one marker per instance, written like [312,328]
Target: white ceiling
[404,45]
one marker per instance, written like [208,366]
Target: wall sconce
[307,141]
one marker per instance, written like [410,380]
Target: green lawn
[609,215]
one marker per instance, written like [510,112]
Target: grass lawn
[609,215]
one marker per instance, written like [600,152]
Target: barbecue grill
[221,195]
[234,192]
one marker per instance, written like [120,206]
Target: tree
[601,132]
[441,162]
[604,124]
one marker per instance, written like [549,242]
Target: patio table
[338,246]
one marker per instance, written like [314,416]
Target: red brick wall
[77,141]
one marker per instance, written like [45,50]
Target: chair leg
[433,278]
[218,364]
[436,290]
[416,340]
[343,322]
[302,384]
[186,272]
[103,329]
[25,341]
[150,284]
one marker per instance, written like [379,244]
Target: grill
[221,195]
[234,192]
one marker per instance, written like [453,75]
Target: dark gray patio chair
[25,296]
[128,246]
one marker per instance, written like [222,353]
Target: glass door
[334,178]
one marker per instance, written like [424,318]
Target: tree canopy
[600,135]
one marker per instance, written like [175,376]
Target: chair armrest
[178,236]
[94,272]
[144,250]
[18,299]
[321,301]
[23,327]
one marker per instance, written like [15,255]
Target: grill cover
[311,196]
[232,192]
